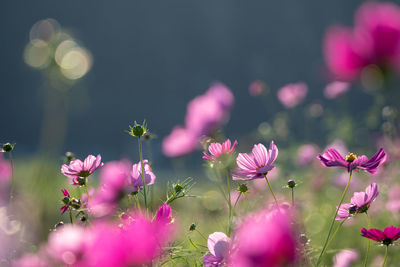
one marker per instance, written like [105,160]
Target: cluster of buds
[69,202]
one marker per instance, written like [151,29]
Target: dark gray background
[152,57]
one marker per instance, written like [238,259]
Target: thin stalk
[12,176]
[70,216]
[386,255]
[202,235]
[270,188]
[137,202]
[369,241]
[292,197]
[237,199]
[333,222]
[142,165]
[229,203]
[334,233]
[87,191]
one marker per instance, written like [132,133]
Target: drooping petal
[392,233]
[373,234]
[373,163]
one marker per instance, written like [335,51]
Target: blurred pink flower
[164,214]
[257,164]
[256,88]
[136,175]
[67,245]
[292,94]
[387,237]
[218,246]
[31,260]
[344,258]
[306,154]
[264,239]
[179,142]
[5,169]
[393,203]
[205,114]
[336,89]
[217,149]
[332,158]
[77,168]
[341,179]
[375,39]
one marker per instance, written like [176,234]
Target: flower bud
[242,188]
[138,130]
[192,227]
[178,188]
[58,225]
[75,203]
[291,184]
[7,147]
[69,156]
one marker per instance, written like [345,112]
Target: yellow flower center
[351,157]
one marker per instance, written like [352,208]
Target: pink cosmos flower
[204,115]
[360,202]
[67,245]
[164,214]
[257,164]
[387,237]
[216,150]
[264,239]
[179,142]
[136,182]
[77,168]
[65,200]
[114,178]
[292,94]
[344,258]
[332,158]
[218,245]
[306,154]
[375,39]
[336,89]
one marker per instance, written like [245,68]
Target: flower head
[336,89]
[257,164]
[264,239]
[217,150]
[164,214]
[293,94]
[136,175]
[359,203]
[218,246]
[78,169]
[386,237]
[332,158]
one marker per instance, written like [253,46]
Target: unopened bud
[242,188]
[192,227]
[291,184]
[7,147]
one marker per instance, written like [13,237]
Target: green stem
[137,202]
[12,176]
[142,165]
[70,216]
[202,235]
[334,233]
[386,255]
[229,203]
[333,222]
[292,197]
[237,199]
[270,188]
[368,240]
[87,191]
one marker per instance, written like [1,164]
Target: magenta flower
[179,142]
[265,239]
[65,200]
[360,202]
[375,40]
[164,214]
[336,89]
[344,258]
[292,94]
[115,177]
[218,245]
[217,150]
[387,237]
[257,164]
[136,182]
[205,114]
[78,169]
[332,158]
